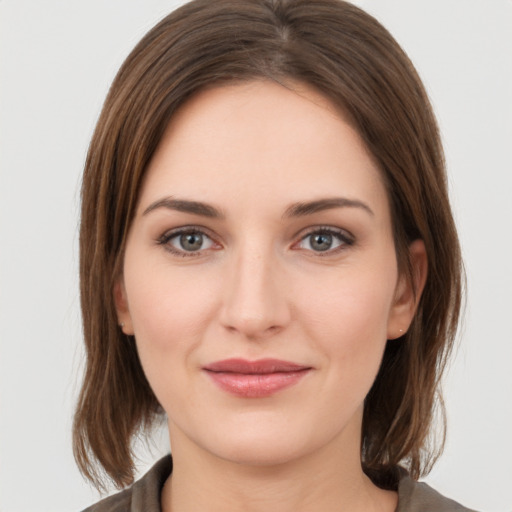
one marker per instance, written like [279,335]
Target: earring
[121,325]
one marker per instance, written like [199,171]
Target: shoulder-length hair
[352,60]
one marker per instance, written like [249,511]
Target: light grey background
[58,58]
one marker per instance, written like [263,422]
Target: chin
[266,443]
[261,452]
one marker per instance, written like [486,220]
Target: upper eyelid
[169,233]
[326,229]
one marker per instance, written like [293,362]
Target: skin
[258,287]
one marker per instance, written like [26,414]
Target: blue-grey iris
[191,241]
[321,242]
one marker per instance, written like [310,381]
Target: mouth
[255,379]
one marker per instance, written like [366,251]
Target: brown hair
[351,59]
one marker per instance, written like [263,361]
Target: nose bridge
[255,304]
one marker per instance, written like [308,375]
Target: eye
[325,240]
[186,241]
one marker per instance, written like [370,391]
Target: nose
[255,303]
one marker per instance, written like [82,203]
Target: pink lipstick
[255,379]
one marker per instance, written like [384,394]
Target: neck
[330,479]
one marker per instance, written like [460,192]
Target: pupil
[321,242]
[191,241]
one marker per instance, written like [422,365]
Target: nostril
[253,331]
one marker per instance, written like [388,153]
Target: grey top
[144,495]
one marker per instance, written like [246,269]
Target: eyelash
[189,230]
[344,238]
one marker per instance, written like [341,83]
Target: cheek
[348,320]
[169,312]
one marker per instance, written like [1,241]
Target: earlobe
[408,292]
[121,303]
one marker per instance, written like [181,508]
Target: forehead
[260,106]
[263,138]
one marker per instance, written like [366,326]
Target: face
[260,277]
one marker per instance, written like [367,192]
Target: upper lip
[261,366]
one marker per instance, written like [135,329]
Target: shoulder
[120,502]
[419,497]
[142,496]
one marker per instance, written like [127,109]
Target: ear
[408,294]
[121,303]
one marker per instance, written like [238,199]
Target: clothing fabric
[144,495]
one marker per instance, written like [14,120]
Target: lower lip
[256,385]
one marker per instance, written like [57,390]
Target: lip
[255,379]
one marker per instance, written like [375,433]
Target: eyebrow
[184,205]
[300,209]
[311,207]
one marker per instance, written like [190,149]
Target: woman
[268,257]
